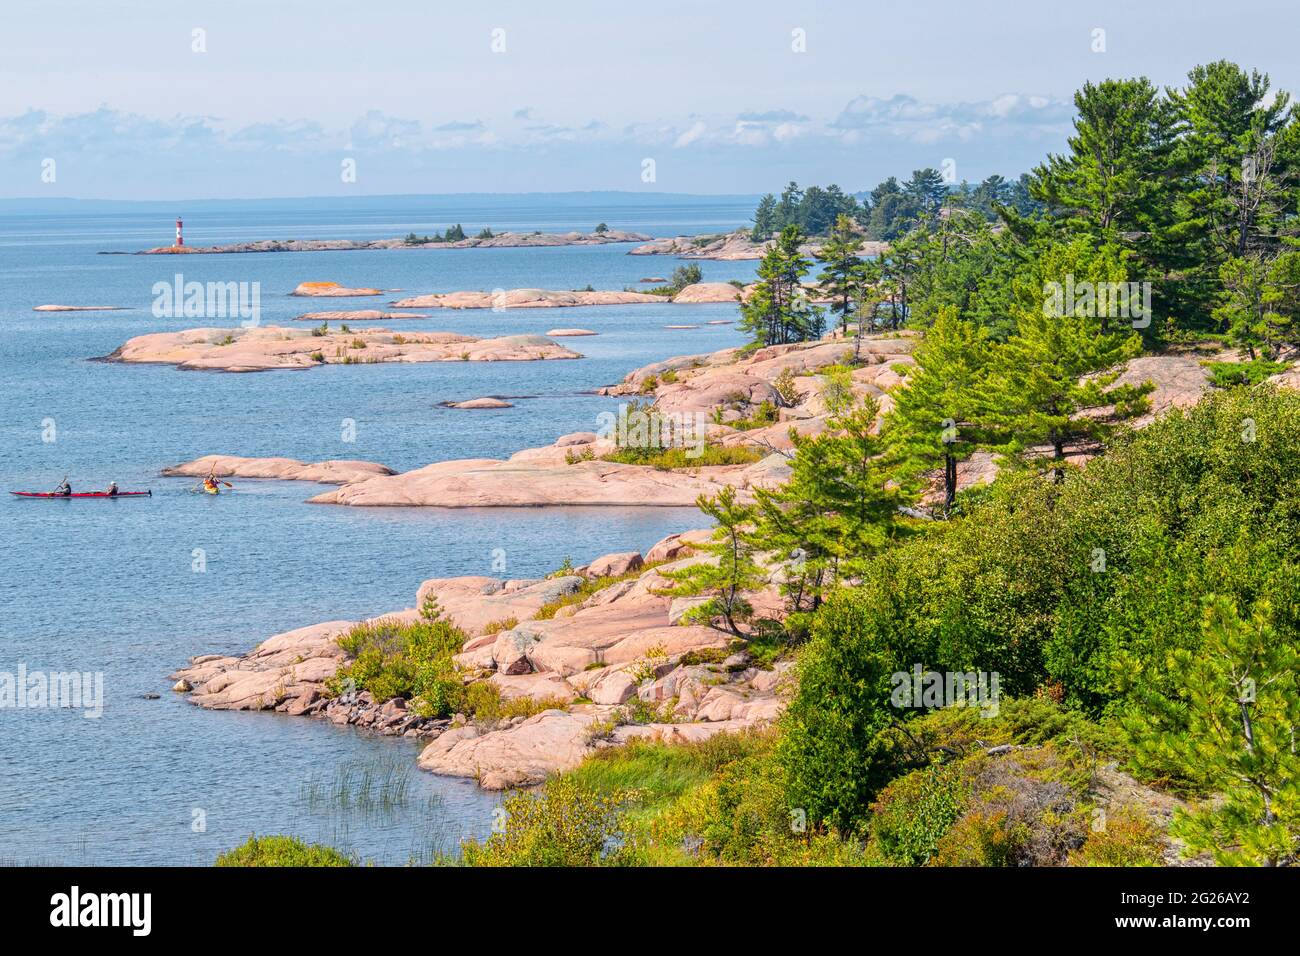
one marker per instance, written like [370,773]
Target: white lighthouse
[180,237]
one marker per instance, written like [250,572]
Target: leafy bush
[1229,374]
[563,824]
[404,659]
[914,812]
[1087,586]
[282,851]
[667,459]
[1128,838]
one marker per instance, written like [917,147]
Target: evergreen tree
[764,219]
[1054,377]
[838,508]
[840,275]
[927,191]
[933,422]
[1245,309]
[724,581]
[1232,729]
[1114,178]
[778,312]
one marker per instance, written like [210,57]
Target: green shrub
[1128,838]
[282,851]
[667,459]
[562,824]
[914,812]
[1229,374]
[1087,586]
[404,659]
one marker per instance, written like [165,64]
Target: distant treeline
[891,208]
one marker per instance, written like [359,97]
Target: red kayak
[84,494]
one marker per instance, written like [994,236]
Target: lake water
[108,586]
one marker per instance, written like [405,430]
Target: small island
[273,348]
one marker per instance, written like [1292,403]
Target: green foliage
[1128,838]
[934,420]
[563,824]
[734,571]
[403,659]
[282,851]
[836,510]
[1086,586]
[1231,374]
[786,389]
[1230,721]
[682,277]
[914,812]
[778,312]
[841,278]
[704,456]
[1058,367]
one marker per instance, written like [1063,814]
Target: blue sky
[724,97]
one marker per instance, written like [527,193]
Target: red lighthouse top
[180,238]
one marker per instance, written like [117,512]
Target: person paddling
[112,489]
[64,490]
[210,485]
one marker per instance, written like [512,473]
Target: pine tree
[840,275]
[933,422]
[777,311]
[927,190]
[764,219]
[1231,729]
[1114,178]
[1245,309]
[838,508]
[724,581]
[1050,382]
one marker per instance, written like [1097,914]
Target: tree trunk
[949,483]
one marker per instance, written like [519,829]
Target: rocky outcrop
[730,246]
[701,292]
[497,241]
[590,660]
[485,402]
[79,308]
[709,292]
[561,333]
[334,472]
[475,604]
[360,315]
[560,474]
[524,299]
[331,289]
[273,348]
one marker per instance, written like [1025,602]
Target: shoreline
[504,240]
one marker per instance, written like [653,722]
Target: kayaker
[64,490]
[112,489]
[210,485]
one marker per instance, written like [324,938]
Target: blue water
[109,586]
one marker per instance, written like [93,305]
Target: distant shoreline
[503,240]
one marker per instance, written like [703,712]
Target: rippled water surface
[108,586]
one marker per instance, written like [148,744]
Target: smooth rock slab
[331,289]
[520,756]
[274,348]
[334,472]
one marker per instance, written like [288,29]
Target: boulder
[615,565]
[522,755]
